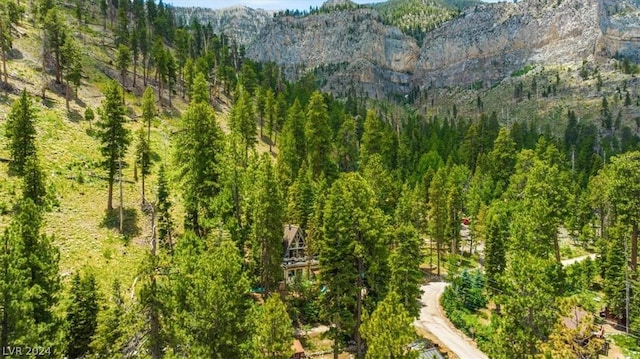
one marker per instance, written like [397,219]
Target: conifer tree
[243,121]
[163,210]
[404,264]
[496,244]
[109,337]
[34,187]
[353,249]
[318,137]
[149,109]
[71,66]
[123,61]
[273,330]
[388,330]
[82,315]
[291,152]
[197,150]
[56,33]
[210,283]
[38,261]
[377,138]
[15,323]
[143,158]
[113,135]
[438,211]
[347,151]
[21,133]
[301,200]
[268,221]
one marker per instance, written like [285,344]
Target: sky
[261,4]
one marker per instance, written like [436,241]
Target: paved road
[570,261]
[434,321]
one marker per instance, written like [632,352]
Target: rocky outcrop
[375,55]
[491,41]
[240,23]
[486,42]
[620,24]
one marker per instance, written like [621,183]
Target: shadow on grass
[130,227]
[75,116]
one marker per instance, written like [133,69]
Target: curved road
[433,320]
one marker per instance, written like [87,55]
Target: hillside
[296,194]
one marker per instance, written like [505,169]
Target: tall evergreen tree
[291,152]
[197,150]
[273,330]
[268,221]
[210,283]
[113,135]
[56,34]
[34,187]
[243,121]
[82,315]
[353,250]
[404,264]
[318,137]
[21,132]
[71,66]
[109,338]
[163,210]
[388,330]
[143,158]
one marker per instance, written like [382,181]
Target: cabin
[297,260]
[298,350]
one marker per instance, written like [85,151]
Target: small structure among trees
[296,255]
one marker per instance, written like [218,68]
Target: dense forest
[381,192]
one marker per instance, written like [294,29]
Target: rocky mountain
[238,22]
[484,43]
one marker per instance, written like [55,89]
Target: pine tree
[82,315]
[404,264]
[109,338]
[291,152]
[273,330]
[243,121]
[34,187]
[71,66]
[389,330]
[21,132]
[123,61]
[352,250]
[56,34]
[209,282]
[438,211]
[268,221]
[149,110]
[143,158]
[39,260]
[197,150]
[301,200]
[496,244]
[318,137]
[163,210]
[347,151]
[15,322]
[378,138]
[113,135]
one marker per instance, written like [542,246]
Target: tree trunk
[67,94]
[110,198]
[634,249]
[121,202]
[135,70]
[438,256]
[123,76]
[142,169]
[4,67]
[556,246]
[155,347]
[4,330]
[359,287]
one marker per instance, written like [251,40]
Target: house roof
[431,353]
[573,320]
[290,231]
[297,347]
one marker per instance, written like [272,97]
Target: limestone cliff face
[240,23]
[486,42]
[357,42]
[620,24]
[491,41]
